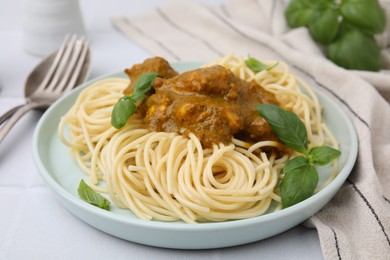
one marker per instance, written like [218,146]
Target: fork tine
[63,63]
[54,65]
[77,48]
[79,65]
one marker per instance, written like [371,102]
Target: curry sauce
[211,103]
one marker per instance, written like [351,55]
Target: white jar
[46,22]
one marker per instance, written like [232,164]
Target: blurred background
[107,44]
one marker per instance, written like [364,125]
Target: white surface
[33,225]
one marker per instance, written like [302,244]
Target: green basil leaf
[125,107]
[324,25]
[300,12]
[137,96]
[353,49]
[286,125]
[143,85]
[299,182]
[257,66]
[87,194]
[295,163]
[322,155]
[123,110]
[367,15]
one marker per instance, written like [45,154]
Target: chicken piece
[212,120]
[251,94]
[156,64]
[215,81]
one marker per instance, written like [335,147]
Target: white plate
[62,175]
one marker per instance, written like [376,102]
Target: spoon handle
[9,113]
[21,110]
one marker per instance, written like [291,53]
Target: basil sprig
[300,175]
[126,105]
[286,125]
[345,28]
[87,194]
[299,182]
[257,66]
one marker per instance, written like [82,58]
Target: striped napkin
[356,222]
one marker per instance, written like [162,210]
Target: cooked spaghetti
[170,176]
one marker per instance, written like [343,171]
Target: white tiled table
[33,225]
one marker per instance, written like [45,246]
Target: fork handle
[9,113]
[21,110]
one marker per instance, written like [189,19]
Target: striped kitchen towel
[356,222]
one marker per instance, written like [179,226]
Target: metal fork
[69,67]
